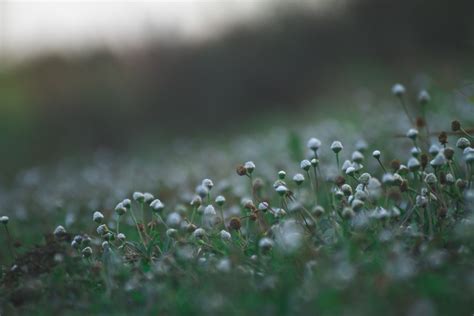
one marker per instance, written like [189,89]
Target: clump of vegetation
[362,236]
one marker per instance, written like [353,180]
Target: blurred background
[77,75]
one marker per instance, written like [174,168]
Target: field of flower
[364,211]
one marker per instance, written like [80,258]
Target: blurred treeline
[55,105]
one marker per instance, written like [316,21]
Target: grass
[358,236]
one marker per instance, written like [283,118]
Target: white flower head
[281,174]
[398,89]
[139,197]
[463,143]
[157,205]
[98,217]
[199,233]
[225,235]
[281,190]
[249,166]
[148,197]
[220,200]
[305,165]
[413,164]
[210,210]
[439,160]
[265,244]
[433,150]
[59,231]
[357,156]
[87,252]
[424,97]
[313,144]
[298,178]
[121,237]
[376,154]
[196,201]
[120,209]
[207,183]
[4,220]
[412,133]
[336,146]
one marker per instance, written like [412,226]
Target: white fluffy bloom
[138,196]
[281,189]
[434,150]
[424,97]
[157,205]
[220,200]
[298,178]
[148,197]
[98,217]
[412,133]
[313,144]
[210,210]
[249,166]
[225,235]
[305,165]
[413,164]
[463,143]
[289,236]
[121,237]
[357,156]
[4,220]
[376,154]
[336,146]
[173,219]
[59,231]
[398,89]
[207,183]
[438,161]
[199,233]
[265,244]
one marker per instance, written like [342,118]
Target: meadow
[361,211]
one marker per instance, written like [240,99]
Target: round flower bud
[376,154]
[350,171]
[281,190]
[412,133]
[87,252]
[120,209]
[265,244]
[364,178]
[424,97]
[75,244]
[263,206]
[121,237]
[281,174]
[199,233]
[59,231]
[357,156]
[318,211]
[196,201]
[438,161]
[336,146]
[298,178]
[249,166]
[139,197]
[463,143]
[235,223]
[98,217]
[314,162]
[398,89]
[346,165]
[357,204]
[102,230]
[207,183]
[450,179]
[105,245]
[210,210]
[313,144]
[127,203]
[434,150]
[220,200]
[171,233]
[413,164]
[305,165]
[4,220]
[202,191]
[431,179]
[157,205]
[347,212]
[148,197]
[346,189]
[225,235]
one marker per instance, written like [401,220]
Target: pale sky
[29,27]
